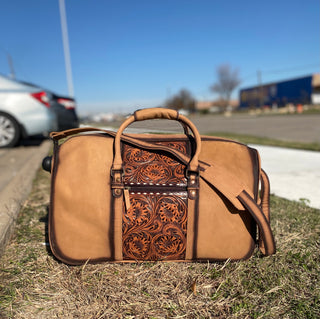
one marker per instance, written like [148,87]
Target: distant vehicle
[64,107]
[27,110]
[24,111]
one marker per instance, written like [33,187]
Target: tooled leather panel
[155,227]
[142,166]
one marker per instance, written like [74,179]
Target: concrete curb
[17,190]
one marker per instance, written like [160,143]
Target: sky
[129,54]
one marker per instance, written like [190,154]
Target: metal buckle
[188,172]
[113,171]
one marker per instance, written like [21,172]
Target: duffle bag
[156,197]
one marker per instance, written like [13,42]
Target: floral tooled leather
[141,166]
[154,227]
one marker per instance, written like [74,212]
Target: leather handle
[156,113]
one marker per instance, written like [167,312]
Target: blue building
[304,90]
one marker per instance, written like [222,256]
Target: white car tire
[9,131]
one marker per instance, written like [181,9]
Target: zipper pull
[126,198]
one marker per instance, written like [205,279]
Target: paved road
[299,128]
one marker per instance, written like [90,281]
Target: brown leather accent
[145,167]
[155,225]
[192,214]
[256,168]
[117,223]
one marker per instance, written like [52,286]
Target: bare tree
[227,81]
[182,100]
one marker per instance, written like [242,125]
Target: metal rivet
[192,193]
[117,192]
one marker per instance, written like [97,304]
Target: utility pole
[10,62]
[260,88]
[66,48]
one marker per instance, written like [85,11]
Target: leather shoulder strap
[268,247]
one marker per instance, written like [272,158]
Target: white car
[24,111]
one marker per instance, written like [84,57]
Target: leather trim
[190,246]
[117,220]
[51,232]
[255,171]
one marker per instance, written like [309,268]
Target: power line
[277,71]
[298,68]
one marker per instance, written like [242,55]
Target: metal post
[12,73]
[66,49]
[260,88]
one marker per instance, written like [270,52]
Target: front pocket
[154,227]
[155,211]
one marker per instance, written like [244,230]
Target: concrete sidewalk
[293,174]
[18,167]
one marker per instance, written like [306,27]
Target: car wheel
[9,131]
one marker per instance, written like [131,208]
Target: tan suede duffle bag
[136,197]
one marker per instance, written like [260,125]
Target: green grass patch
[33,284]
[250,139]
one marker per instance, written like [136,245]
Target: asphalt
[293,174]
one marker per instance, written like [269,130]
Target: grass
[250,139]
[35,285]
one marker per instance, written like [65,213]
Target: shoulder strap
[268,246]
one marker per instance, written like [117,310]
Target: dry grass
[35,285]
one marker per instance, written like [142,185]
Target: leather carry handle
[156,113]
